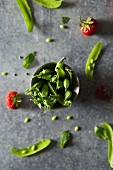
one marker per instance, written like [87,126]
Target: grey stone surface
[87,152]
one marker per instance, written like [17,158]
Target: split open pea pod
[30,150]
[90,64]
[26,12]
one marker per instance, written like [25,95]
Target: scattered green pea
[26,120]
[48,40]
[54,117]
[61,26]
[69,117]
[4,73]
[76,128]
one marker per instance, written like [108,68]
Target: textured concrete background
[86,152]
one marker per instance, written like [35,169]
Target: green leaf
[49,3]
[64,138]
[100,132]
[28,60]
[65,20]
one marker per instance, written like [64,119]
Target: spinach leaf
[64,138]
[65,20]
[28,60]
[49,3]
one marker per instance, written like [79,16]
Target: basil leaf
[28,60]
[65,20]
[101,132]
[49,3]
[64,138]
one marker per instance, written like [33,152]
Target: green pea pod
[34,87]
[26,12]
[30,150]
[69,72]
[45,90]
[68,94]
[60,72]
[49,3]
[66,83]
[90,64]
[60,64]
[109,130]
[52,89]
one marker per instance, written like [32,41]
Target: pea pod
[109,130]
[26,12]
[45,74]
[45,90]
[60,64]
[30,150]
[90,64]
[66,83]
[68,94]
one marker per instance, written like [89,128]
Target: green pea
[76,128]
[24,151]
[66,83]
[4,73]
[68,94]
[91,61]
[69,117]
[33,147]
[54,117]
[90,64]
[26,120]
[26,12]
[48,40]
[30,150]
[61,26]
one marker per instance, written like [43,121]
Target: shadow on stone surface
[67,5]
[105,28]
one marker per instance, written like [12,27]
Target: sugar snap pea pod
[68,94]
[90,64]
[35,86]
[45,90]
[66,83]
[54,78]
[109,130]
[69,72]
[26,12]
[60,64]
[52,89]
[30,150]
[45,74]
[59,84]
[61,72]
[67,102]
